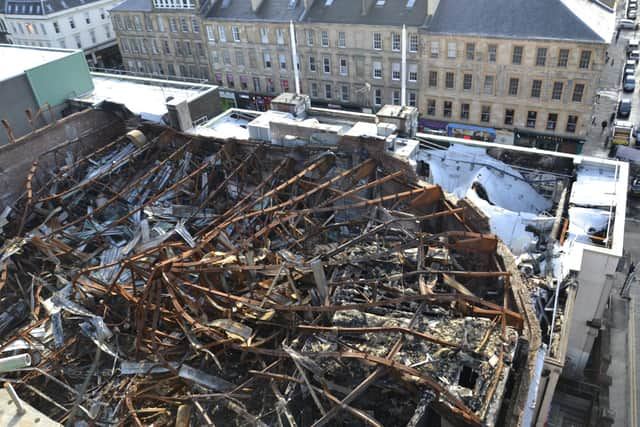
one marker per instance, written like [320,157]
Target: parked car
[633,44]
[627,24]
[624,107]
[634,187]
[632,13]
[634,55]
[630,68]
[629,84]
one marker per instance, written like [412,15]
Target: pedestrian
[593,120]
[612,118]
[604,125]
[606,59]
[606,141]
[617,35]
[597,98]
[612,61]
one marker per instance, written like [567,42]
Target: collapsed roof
[162,277]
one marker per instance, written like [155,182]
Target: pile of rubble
[164,281]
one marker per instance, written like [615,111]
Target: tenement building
[66,24]
[481,69]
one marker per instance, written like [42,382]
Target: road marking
[632,366]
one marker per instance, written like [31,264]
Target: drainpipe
[403,98]
[294,54]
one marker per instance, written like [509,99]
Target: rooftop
[45,7]
[392,12]
[134,6]
[146,97]
[16,59]
[579,20]
[269,10]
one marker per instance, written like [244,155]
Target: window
[160,24]
[531,119]
[187,46]
[44,30]
[165,47]
[377,96]
[413,42]
[395,42]
[230,80]
[173,25]
[256,84]
[541,56]
[78,42]
[171,69]
[342,39]
[107,31]
[513,86]
[431,107]
[536,87]
[466,82]
[324,39]
[395,71]
[585,59]
[471,51]
[413,99]
[377,41]
[563,57]
[148,24]
[552,119]
[279,36]
[240,58]
[267,60]
[123,42]
[314,90]
[87,18]
[508,116]
[452,50]
[310,37]
[327,91]
[270,86]
[284,84]
[210,35]
[435,49]
[344,93]
[578,91]
[56,27]
[92,35]
[154,47]
[433,79]
[464,111]
[282,59]
[556,94]
[222,36]
[312,64]
[447,107]
[184,25]
[517,55]
[159,68]
[488,85]
[413,73]
[492,52]
[377,70]
[235,32]
[264,35]
[449,80]
[199,49]
[572,123]
[395,97]
[326,64]
[485,115]
[72,23]
[137,23]
[253,62]
[343,66]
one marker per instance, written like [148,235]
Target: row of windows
[43,28]
[513,89]
[158,68]
[62,42]
[509,115]
[176,24]
[154,47]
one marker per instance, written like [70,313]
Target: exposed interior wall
[18,91]
[82,132]
[207,104]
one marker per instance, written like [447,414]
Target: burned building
[165,278]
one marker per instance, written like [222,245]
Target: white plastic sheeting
[595,186]
[584,222]
[513,203]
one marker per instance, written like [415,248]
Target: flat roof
[17,59]
[146,97]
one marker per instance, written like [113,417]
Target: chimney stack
[366,6]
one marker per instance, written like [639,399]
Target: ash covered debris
[170,280]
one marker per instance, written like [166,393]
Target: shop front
[476,133]
[562,144]
[432,126]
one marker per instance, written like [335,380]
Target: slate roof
[134,6]
[46,7]
[269,10]
[524,19]
[393,12]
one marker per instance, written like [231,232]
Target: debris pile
[186,282]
